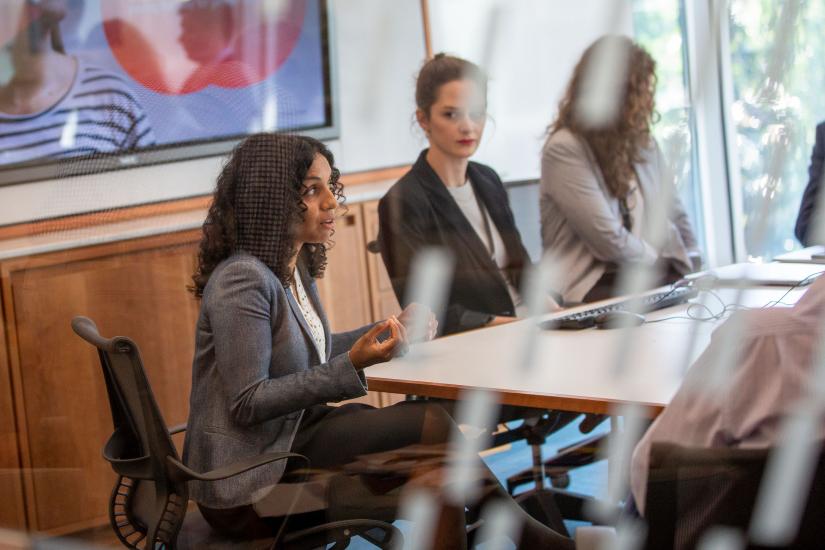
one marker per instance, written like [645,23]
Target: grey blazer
[255,370]
[580,221]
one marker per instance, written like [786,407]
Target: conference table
[574,370]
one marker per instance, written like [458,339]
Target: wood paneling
[12,505]
[383,300]
[66,223]
[345,288]
[344,285]
[62,405]
[372,176]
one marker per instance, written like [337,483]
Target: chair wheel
[560,481]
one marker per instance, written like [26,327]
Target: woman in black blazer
[447,201]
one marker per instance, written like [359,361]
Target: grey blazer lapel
[297,313]
[312,293]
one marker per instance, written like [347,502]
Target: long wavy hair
[617,145]
[257,206]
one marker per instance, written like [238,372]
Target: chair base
[579,454]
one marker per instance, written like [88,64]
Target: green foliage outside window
[777,49]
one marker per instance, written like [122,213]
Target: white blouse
[487,231]
[316,328]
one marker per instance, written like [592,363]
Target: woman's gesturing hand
[416,311]
[367,350]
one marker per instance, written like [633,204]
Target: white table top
[574,370]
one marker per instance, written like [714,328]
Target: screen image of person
[447,201]
[81,77]
[266,364]
[599,185]
[56,105]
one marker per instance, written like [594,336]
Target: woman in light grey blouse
[266,364]
[601,184]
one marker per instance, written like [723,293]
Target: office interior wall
[379,46]
[529,49]
[524,201]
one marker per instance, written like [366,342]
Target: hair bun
[439,55]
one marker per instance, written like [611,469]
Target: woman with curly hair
[266,365]
[599,184]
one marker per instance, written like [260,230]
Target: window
[776,77]
[660,28]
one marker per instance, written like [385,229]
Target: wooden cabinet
[384,303]
[382,297]
[54,412]
[12,513]
[344,289]
[135,288]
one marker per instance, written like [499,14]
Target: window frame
[711,94]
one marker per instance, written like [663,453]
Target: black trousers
[337,438]
[333,438]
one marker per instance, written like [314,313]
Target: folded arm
[568,178]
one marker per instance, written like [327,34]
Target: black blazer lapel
[448,211]
[491,197]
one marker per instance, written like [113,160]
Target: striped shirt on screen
[99,114]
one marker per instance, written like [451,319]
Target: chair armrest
[177,429]
[180,472]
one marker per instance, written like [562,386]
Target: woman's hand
[415,311]
[367,350]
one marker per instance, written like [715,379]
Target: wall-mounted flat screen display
[91,85]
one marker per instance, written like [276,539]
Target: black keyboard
[641,304]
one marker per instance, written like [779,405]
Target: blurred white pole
[630,534]
[420,508]
[479,409]
[499,527]
[603,83]
[538,280]
[722,538]
[429,282]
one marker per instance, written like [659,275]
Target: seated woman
[265,362]
[599,185]
[447,201]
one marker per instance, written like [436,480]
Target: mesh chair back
[147,505]
[691,490]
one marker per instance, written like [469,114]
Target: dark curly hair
[257,206]
[619,145]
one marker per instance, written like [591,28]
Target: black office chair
[691,490]
[150,498]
